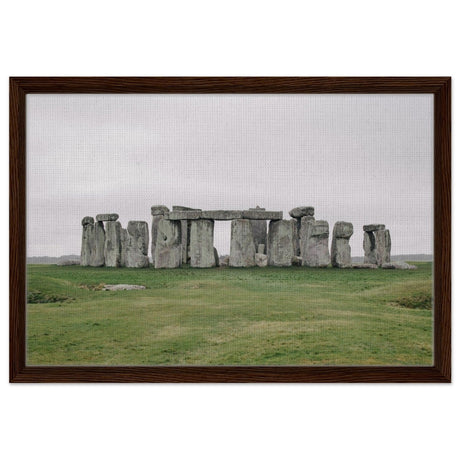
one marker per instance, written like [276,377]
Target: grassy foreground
[254,316]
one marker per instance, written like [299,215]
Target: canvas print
[229,229]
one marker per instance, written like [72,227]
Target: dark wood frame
[440,87]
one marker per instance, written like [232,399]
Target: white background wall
[225,38]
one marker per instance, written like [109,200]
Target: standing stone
[376,244]
[87,241]
[261,249]
[158,212]
[280,249]
[340,248]
[295,237]
[124,246]
[112,247]
[202,244]
[185,231]
[98,259]
[242,248]
[216,257]
[137,244]
[168,248]
[259,229]
[314,242]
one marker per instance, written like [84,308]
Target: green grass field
[254,316]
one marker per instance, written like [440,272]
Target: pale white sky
[359,158]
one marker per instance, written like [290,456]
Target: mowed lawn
[225,316]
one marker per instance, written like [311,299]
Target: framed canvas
[230,229]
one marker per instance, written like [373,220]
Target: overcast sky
[359,158]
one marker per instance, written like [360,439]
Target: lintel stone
[373,227]
[107,217]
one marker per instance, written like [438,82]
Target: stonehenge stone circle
[186,236]
[112,248]
[280,247]
[168,250]
[107,217]
[242,248]
[137,244]
[340,248]
[88,241]
[314,239]
[202,244]
[376,244]
[98,259]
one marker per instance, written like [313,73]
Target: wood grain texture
[440,87]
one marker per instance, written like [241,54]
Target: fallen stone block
[261,260]
[398,266]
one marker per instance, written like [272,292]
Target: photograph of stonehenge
[186,236]
[229,229]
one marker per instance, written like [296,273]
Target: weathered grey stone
[156,218]
[184,208]
[183,215]
[340,247]
[302,211]
[295,237]
[297,261]
[314,242]
[168,250]
[124,245]
[63,262]
[242,248]
[261,260]
[112,247]
[280,245]
[222,215]
[377,247]
[122,287]
[373,227]
[88,244]
[159,210]
[383,246]
[224,261]
[216,257]
[255,214]
[87,220]
[98,259]
[259,232]
[370,266]
[107,217]
[137,244]
[343,229]
[261,249]
[185,226]
[399,266]
[201,243]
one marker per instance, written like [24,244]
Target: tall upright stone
[124,246]
[340,247]
[314,242]
[202,243]
[242,247]
[98,259]
[112,247]
[297,214]
[158,212]
[168,249]
[376,244]
[259,229]
[185,232]
[280,247]
[88,242]
[137,244]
